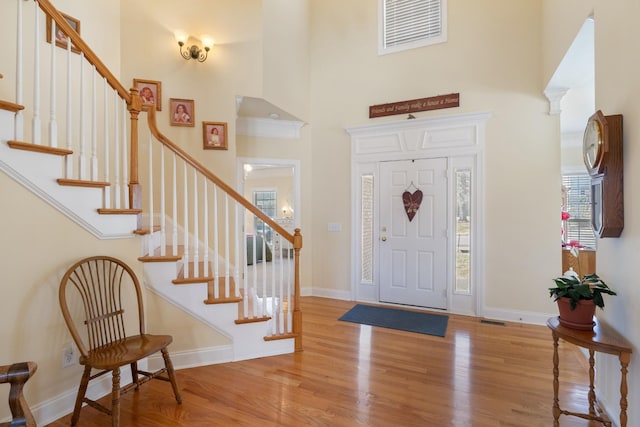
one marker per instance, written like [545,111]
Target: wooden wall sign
[415,105]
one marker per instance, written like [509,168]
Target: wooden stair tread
[27,146]
[181,280]
[252,320]
[113,211]
[191,280]
[280,337]
[159,258]
[82,183]
[10,106]
[168,257]
[145,231]
[222,298]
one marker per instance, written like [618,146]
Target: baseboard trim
[529,317]
[57,407]
[330,293]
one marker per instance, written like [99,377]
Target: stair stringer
[38,173]
[247,339]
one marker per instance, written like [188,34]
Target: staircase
[81,155]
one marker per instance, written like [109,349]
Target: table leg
[556,383]
[624,363]
[592,391]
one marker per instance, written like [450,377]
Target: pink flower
[565,215]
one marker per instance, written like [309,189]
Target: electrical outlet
[69,356]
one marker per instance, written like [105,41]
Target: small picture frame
[150,92]
[182,112]
[61,38]
[214,136]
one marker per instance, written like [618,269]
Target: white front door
[413,254]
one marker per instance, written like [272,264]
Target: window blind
[579,208]
[407,21]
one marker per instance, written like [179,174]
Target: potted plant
[577,298]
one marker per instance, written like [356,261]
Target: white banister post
[82,166]
[35,122]
[237,255]
[19,118]
[125,154]
[68,170]
[205,223]
[283,301]
[163,205]
[174,213]
[94,127]
[263,250]
[254,268]
[274,314]
[53,125]
[185,231]
[227,290]
[196,227]
[105,118]
[245,268]
[149,236]
[216,250]
[116,151]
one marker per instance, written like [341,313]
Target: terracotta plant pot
[579,318]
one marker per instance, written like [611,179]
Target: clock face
[592,144]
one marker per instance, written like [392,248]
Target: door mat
[404,320]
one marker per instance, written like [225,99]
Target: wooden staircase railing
[97,134]
[189,191]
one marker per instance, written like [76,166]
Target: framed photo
[150,92]
[61,38]
[182,112]
[214,136]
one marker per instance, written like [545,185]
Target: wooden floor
[354,375]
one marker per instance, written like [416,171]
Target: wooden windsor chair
[93,294]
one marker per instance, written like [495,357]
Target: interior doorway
[273,185]
[452,149]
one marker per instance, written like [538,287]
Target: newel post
[297,314]
[135,192]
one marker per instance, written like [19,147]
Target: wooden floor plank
[479,375]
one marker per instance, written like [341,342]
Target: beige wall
[496,68]
[286,56]
[499,56]
[616,72]
[234,66]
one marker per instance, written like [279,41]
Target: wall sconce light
[194,51]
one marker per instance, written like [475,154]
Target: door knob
[383,238]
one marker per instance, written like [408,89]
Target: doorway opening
[447,151]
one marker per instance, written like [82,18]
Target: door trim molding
[459,136]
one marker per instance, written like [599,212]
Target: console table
[605,340]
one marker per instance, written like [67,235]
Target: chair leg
[82,390]
[115,398]
[134,374]
[171,373]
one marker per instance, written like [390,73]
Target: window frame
[427,41]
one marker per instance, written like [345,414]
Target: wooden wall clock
[602,152]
